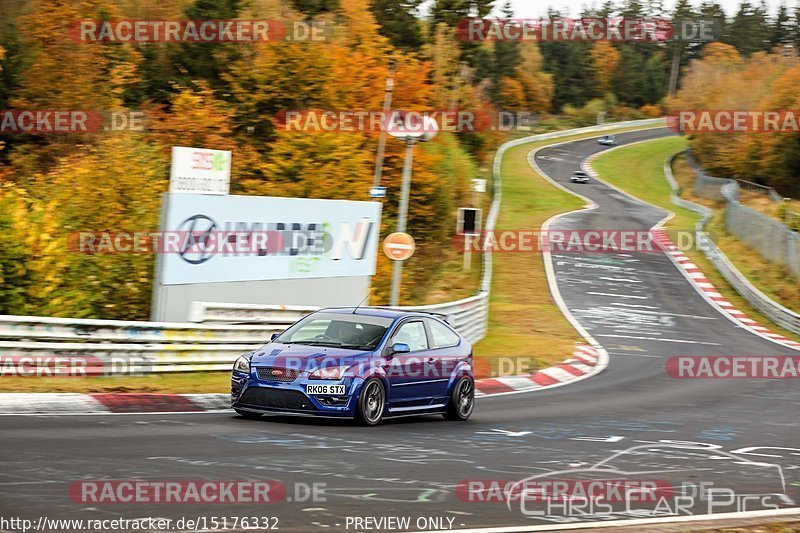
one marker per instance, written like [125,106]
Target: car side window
[413,334]
[442,336]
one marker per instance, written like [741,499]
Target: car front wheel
[371,403]
[462,400]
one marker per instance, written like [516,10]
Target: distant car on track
[365,363]
[579,176]
[607,140]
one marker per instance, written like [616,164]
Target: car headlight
[242,364]
[332,372]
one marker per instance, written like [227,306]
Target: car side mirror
[400,347]
[274,336]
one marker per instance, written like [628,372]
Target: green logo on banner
[218,163]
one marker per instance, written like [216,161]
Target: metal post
[387,104]
[674,71]
[402,216]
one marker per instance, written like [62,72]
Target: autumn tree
[605,57]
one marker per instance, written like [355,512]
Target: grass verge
[639,170]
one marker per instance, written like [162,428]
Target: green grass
[639,170]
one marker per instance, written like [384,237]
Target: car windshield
[337,330]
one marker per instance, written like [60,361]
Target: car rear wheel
[371,403]
[462,400]
[248,414]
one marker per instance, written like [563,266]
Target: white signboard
[479,185]
[209,239]
[198,170]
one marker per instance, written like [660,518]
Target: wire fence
[775,241]
[780,315]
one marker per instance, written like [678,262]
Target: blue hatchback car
[365,363]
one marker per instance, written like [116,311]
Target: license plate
[325,389]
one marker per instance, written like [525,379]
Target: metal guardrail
[131,346]
[228,330]
[468,316]
[777,313]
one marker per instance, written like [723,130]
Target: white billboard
[199,170]
[210,239]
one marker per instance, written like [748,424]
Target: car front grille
[276,399]
[268,373]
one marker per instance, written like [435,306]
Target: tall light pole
[387,105]
[402,218]
[422,131]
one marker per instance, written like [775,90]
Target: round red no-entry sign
[399,246]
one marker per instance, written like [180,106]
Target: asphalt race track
[738,435]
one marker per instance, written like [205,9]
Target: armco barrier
[778,314]
[224,330]
[147,346]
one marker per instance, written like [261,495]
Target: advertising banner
[209,239]
[198,170]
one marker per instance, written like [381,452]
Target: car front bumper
[251,393]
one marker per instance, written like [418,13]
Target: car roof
[385,312]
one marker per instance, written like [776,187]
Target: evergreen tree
[749,30]
[398,22]
[782,29]
[312,8]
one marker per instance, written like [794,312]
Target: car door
[444,355]
[408,386]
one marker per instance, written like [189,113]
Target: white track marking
[618,295]
[682,341]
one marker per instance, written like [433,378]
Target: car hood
[292,355]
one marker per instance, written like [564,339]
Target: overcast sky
[537,8]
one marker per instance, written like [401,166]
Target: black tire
[248,414]
[371,403]
[462,400]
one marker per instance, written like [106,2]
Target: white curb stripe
[558,374]
[517,382]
